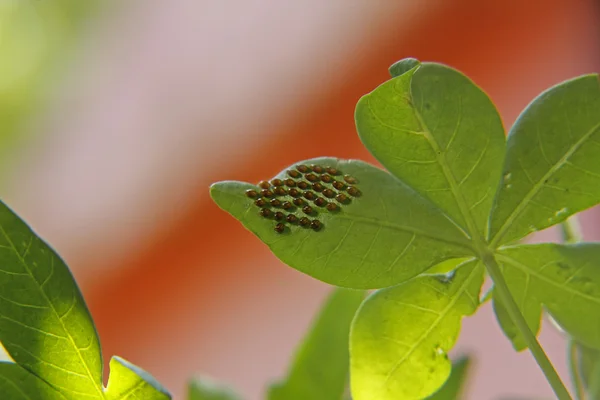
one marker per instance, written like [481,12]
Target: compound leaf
[437,131]
[16,383]
[206,389]
[564,279]
[551,169]
[320,368]
[401,335]
[385,236]
[129,382]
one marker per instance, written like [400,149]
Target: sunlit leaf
[16,383]
[454,386]
[551,169]
[401,335]
[438,132]
[386,235]
[128,381]
[320,368]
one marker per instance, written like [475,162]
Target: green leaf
[531,314]
[453,387]
[206,389]
[551,169]
[387,235]
[401,335]
[437,131]
[129,382]
[320,368]
[589,368]
[16,383]
[564,279]
[45,325]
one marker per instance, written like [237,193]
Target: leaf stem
[512,308]
[574,370]
[570,230]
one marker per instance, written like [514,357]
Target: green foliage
[320,368]
[206,389]
[589,369]
[452,191]
[401,335]
[47,329]
[454,386]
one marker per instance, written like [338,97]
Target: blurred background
[115,117]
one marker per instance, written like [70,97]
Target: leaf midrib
[55,312]
[535,188]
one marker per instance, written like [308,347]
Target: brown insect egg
[280,191]
[304,221]
[287,205]
[317,187]
[251,193]
[329,193]
[294,192]
[293,173]
[291,218]
[279,228]
[277,182]
[326,178]
[332,171]
[350,179]
[338,185]
[317,168]
[309,195]
[342,198]
[265,212]
[275,202]
[260,202]
[299,202]
[264,184]
[290,182]
[320,202]
[303,168]
[352,191]
[315,224]
[266,193]
[307,210]
[332,207]
[279,215]
[303,185]
[311,177]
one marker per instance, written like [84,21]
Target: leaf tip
[400,67]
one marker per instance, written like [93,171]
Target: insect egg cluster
[307,192]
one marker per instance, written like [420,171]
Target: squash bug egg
[311,177]
[260,202]
[264,184]
[317,168]
[291,218]
[265,212]
[332,171]
[352,191]
[332,207]
[303,185]
[326,178]
[280,191]
[275,202]
[279,228]
[294,192]
[279,215]
[299,202]
[338,185]
[304,221]
[328,193]
[251,193]
[287,205]
[293,173]
[303,168]
[307,210]
[290,182]
[315,224]
[342,198]
[320,202]
[350,179]
[277,182]
[317,187]
[309,195]
[266,193]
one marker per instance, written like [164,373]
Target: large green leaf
[45,325]
[551,169]
[128,382]
[16,383]
[437,131]
[454,386]
[401,335]
[206,389]
[385,236]
[320,368]
[564,279]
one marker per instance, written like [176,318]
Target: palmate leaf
[437,131]
[564,279]
[45,325]
[401,335]
[385,236]
[320,368]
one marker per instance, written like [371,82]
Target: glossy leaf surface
[321,365]
[387,235]
[401,335]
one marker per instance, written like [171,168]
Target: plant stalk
[574,370]
[570,230]
[512,308]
